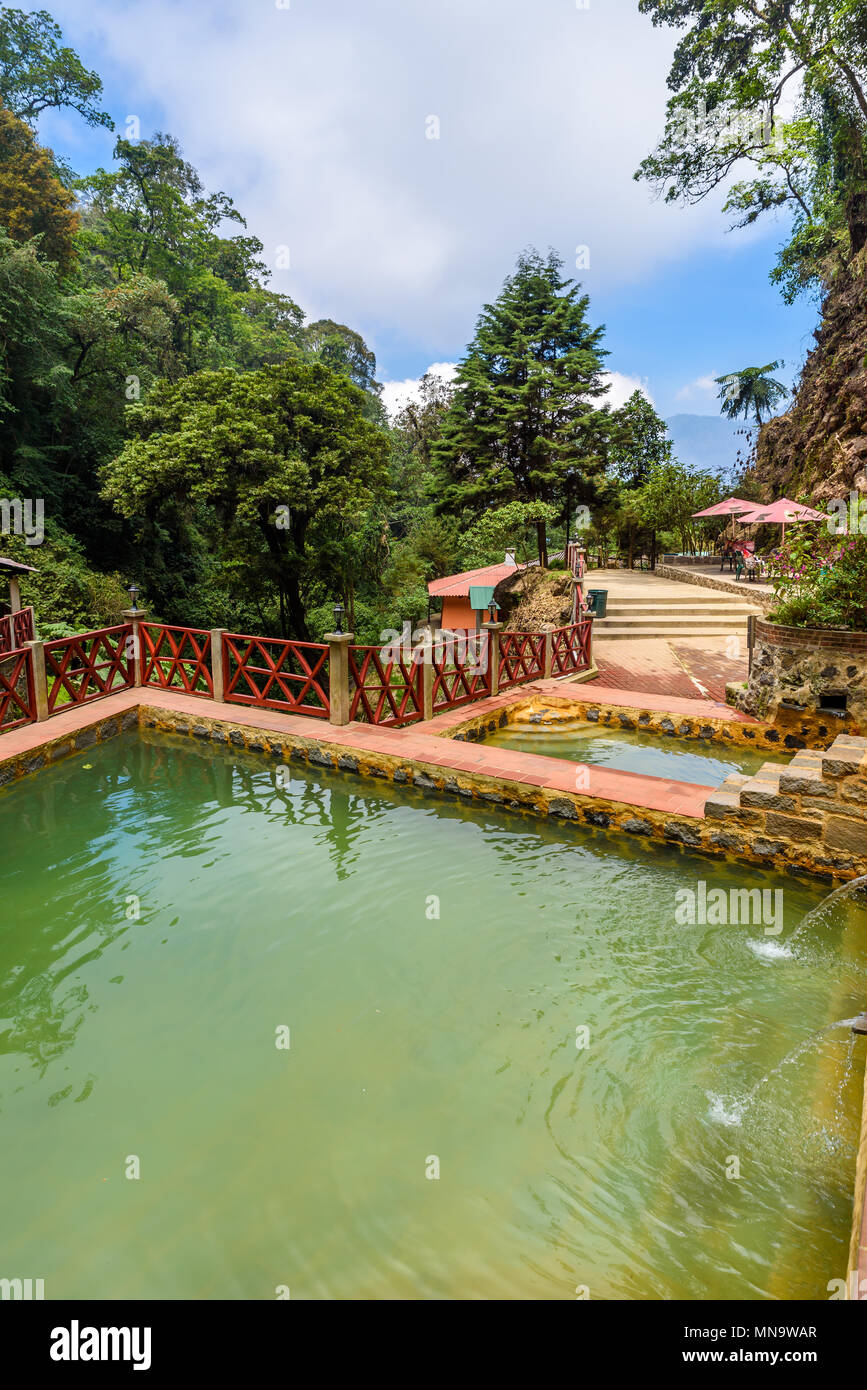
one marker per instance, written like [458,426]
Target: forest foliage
[190,431]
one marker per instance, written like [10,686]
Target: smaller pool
[707,764]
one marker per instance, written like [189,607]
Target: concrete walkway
[662,636]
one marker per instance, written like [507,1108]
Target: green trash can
[597,602]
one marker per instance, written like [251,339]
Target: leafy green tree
[277,467]
[752,391]
[344,350]
[33,201]
[669,498]
[639,443]
[151,215]
[38,73]
[523,424]
[736,66]
[513,526]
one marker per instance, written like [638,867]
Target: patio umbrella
[730,507]
[782,511]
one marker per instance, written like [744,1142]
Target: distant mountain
[708,442]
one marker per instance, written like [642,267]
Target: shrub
[820,580]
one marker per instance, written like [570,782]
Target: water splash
[730,1110]
[766,949]
[852,889]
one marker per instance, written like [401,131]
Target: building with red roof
[454,591]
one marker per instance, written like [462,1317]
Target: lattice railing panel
[86,667]
[522,657]
[176,658]
[17,701]
[276,673]
[571,648]
[385,688]
[461,668]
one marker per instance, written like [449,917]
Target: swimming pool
[655,755]
[169,908]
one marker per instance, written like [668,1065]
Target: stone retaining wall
[553,709]
[724,583]
[799,666]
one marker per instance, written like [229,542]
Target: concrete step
[639,634]
[691,601]
[674,620]
[675,610]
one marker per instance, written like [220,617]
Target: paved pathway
[694,668]
[416,744]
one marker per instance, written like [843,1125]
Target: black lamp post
[133,594]
[494,609]
[338,616]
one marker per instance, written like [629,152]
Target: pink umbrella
[730,507]
[781,511]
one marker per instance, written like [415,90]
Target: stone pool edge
[698,819]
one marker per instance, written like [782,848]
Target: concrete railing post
[548,662]
[40,680]
[493,630]
[218,678]
[338,676]
[427,678]
[136,616]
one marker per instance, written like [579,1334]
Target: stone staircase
[813,808]
[700,613]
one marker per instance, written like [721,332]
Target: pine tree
[523,424]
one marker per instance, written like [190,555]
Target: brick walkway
[688,669]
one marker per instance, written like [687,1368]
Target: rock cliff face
[820,445]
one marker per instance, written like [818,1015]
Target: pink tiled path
[506,765]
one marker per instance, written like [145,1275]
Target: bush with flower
[820,580]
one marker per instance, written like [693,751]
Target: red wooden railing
[176,658]
[17,700]
[271,673]
[571,648]
[385,688]
[522,657]
[16,629]
[281,674]
[461,669]
[86,667]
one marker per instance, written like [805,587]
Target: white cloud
[621,387]
[396,394]
[314,119]
[704,389]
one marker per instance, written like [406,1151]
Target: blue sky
[314,115]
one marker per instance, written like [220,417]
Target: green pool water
[432,962]
[655,755]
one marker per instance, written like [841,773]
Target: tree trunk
[542,541]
